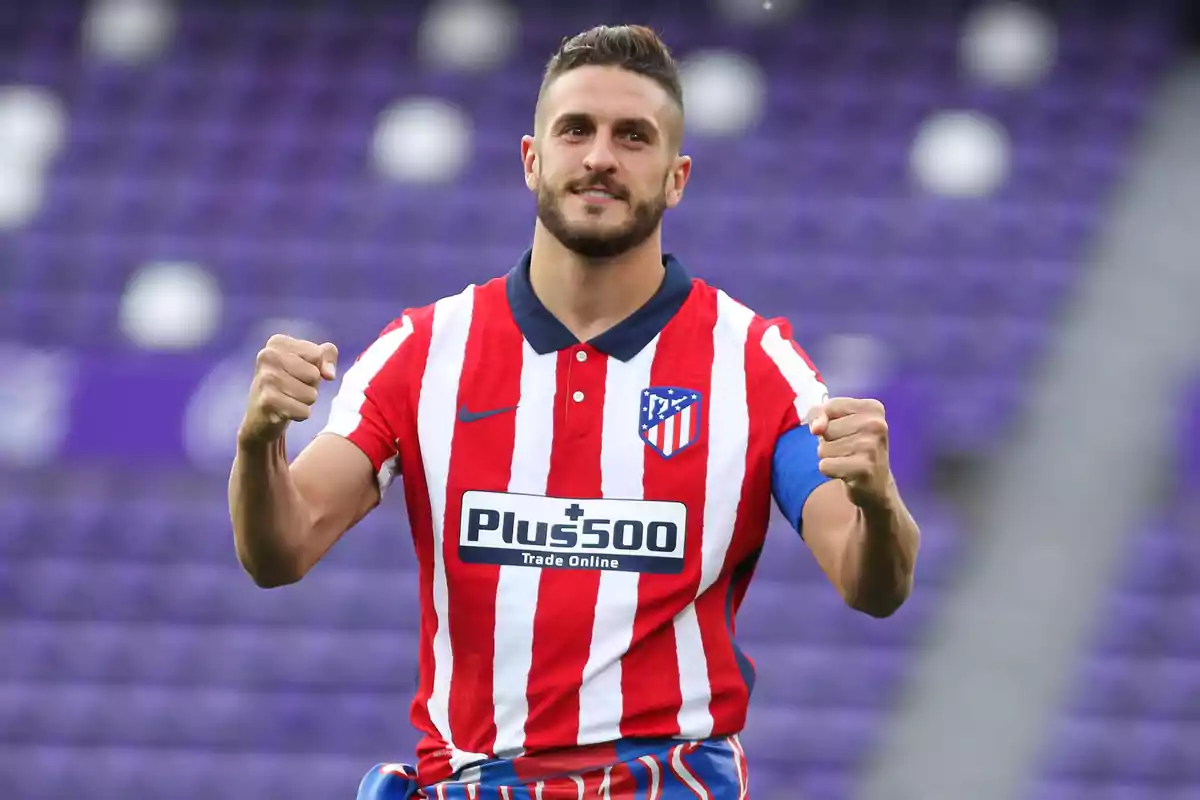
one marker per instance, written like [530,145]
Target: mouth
[595,194]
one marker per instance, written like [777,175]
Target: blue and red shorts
[660,769]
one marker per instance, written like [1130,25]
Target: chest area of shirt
[582,462]
[581,424]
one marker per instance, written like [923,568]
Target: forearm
[270,518]
[881,556]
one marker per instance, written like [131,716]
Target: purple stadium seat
[1131,720]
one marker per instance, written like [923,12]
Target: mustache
[602,183]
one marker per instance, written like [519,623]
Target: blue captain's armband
[794,473]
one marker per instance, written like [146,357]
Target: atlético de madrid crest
[670,419]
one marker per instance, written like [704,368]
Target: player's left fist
[853,445]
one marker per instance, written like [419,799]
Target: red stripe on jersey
[493,363]
[562,630]
[728,687]
[577,760]
[420,515]
[730,693]
[768,405]
[650,670]
[373,433]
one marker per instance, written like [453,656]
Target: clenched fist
[287,374]
[854,445]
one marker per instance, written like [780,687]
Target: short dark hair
[631,47]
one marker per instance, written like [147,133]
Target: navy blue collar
[623,341]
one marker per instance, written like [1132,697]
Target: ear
[529,162]
[677,179]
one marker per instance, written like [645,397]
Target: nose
[600,157]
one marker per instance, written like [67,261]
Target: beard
[586,241]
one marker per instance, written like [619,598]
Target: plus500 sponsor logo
[635,535]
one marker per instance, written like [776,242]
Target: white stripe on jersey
[685,426]
[345,413]
[621,468]
[728,433]
[799,375]
[669,434]
[435,429]
[517,592]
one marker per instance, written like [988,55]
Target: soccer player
[588,447]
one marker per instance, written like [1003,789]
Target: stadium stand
[1132,725]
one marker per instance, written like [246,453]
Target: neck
[589,296]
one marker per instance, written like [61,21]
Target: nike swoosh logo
[474,416]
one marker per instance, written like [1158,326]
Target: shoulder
[776,364]
[436,328]
[420,322]
[769,340]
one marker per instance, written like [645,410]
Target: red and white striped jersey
[586,516]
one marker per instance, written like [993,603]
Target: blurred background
[985,213]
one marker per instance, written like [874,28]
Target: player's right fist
[287,374]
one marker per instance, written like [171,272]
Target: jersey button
[581,355]
[577,397]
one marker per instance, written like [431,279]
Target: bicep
[342,474]
[345,470]
[818,508]
[339,486]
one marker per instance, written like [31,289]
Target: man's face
[604,163]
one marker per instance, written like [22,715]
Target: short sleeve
[803,385]
[794,464]
[370,389]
